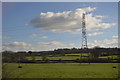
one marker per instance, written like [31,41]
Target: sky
[42,26]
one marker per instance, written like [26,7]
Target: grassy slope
[64,70]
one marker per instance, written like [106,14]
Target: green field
[70,57]
[56,58]
[79,54]
[63,70]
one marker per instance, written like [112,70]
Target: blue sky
[21,32]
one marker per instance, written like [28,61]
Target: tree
[30,53]
[44,58]
[95,52]
[60,60]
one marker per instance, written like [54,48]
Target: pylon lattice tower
[84,37]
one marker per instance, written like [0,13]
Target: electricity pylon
[84,37]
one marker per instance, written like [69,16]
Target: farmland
[71,57]
[63,70]
[61,64]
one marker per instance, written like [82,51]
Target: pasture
[62,70]
[71,57]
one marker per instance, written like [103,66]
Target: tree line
[94,53]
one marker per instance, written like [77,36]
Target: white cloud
[33,35]
[104,43]
[44,37]
[45,46]
[99,16]
[53,45]
[14,46]
[69,21]
[94,34]
[7,48]
[115,36]
[0,48]
[72,44]
[19,44]
[4,37]
[41,46]
[0,37]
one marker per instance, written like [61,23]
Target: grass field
[79,54]
[63,70]
[56,58]
[66,57]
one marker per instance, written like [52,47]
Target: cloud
[115,36]
[51,45]
[14,46]
[33,35]
[40,46]
[56,44]
[99,16]
[0,48]
[6,48]
[94,34]
[4,37]
[104,43]
[69,21]
[44,37]
[23,44]
[0,37]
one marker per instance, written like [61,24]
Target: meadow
[62,70]
[71,57]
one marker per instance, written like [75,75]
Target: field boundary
[61,79]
